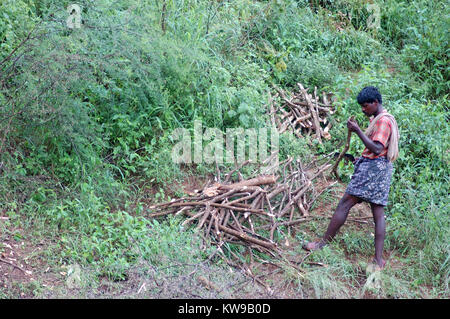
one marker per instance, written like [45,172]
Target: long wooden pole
[347,146]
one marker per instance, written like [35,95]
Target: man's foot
[313,245]
[379,264]
[375,267]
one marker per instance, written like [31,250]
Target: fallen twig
[11,264]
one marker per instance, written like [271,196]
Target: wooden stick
[7,262]
[347,146]
[257,181]
[277,190]
[312,110]
[228,176]
[244,198]
[204,218]
[189,220]
[246,237]
[287,223]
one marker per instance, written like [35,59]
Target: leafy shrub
[17,20]
[85,111]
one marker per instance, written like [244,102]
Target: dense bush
[86,114]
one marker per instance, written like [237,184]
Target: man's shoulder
[384,119]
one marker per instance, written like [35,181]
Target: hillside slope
[87,117]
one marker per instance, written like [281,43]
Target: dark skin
[369,109]
[348,201]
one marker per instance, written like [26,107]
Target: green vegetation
[86,117]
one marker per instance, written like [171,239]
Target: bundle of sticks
[301,112]
[255,212]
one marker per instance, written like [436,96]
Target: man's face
[370,109]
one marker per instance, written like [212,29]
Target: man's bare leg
[380,232]
[339,217]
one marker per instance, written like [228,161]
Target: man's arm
[373,146]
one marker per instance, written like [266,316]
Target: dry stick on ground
[320,193]
[7,262]
[347,146]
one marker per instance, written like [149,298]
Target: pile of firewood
[255,212]
[301,113]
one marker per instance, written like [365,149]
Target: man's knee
[348,201]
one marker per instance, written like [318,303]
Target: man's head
[370,100]
[368,95]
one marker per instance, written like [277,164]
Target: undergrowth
[86,117]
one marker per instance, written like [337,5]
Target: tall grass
[86,114]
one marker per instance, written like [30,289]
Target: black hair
[368,95]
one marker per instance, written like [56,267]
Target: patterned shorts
[371,180]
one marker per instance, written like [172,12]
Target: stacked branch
[253,212]
[301,112]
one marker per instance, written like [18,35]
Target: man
[373,171]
